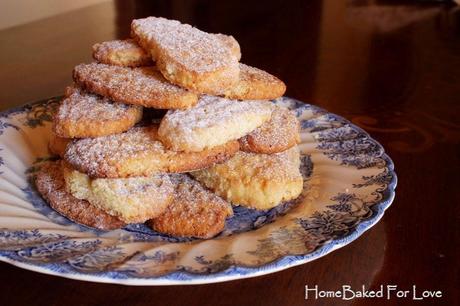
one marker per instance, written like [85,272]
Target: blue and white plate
[349,182]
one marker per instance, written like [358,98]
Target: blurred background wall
[16,12]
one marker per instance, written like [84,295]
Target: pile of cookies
[220,142]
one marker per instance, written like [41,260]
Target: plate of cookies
[168,161]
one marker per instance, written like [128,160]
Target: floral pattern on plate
[349,182]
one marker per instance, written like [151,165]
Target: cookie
[194,211]
[138,152]
[259,181]
[50,183]
[143,86]
[121,53]
[186,56]
[129,54]
[278,134]
[256,84]
[57,145]
[132,200]
[83,114]
[212,122]
[231,43]
[253,83]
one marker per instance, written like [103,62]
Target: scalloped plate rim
[230,273]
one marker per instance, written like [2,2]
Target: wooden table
[392,69]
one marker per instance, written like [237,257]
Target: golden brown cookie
[82,115]
[278,134]
[129,54]
[212,122]
[139,86]
[186,56]
[255,84]
[132,200]
[259,181]
[121,53]
[57,145]
[138,152]
[50,183]
[194,211]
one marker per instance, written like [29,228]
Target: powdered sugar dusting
[197,50]
[194,211]
[80,105]
[102,155]
[278,131]
[249,73]
[192,194]
[211,110]
[138,152]
[142,86]
[277,167]
[121,52]
[115,45]
[212,121]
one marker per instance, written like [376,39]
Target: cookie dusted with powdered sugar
[139,152]
[132,200]
[255,84]
[194,211]
[278,134]
[51,185]
[121,53]
[129,54]
[143,86]
[259,181]
[83,114]
[186,56]
[212,122]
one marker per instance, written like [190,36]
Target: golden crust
[256,84]
[138,152]
[186,56]
[50,183]
[132,200]
[57,145]
[143,86]
[82,115]
[278,134]
[121,53]
[259,181]
[194,211]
